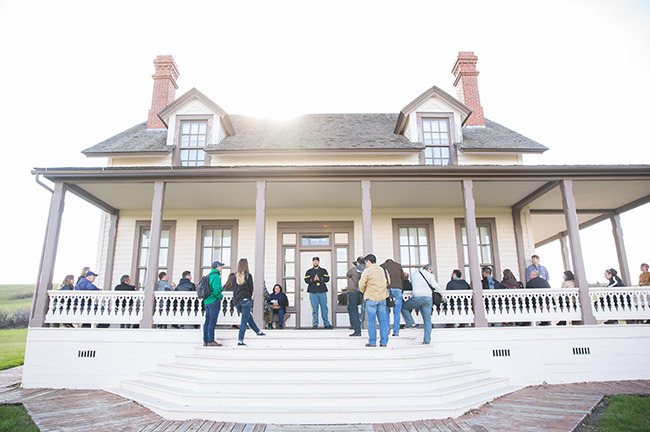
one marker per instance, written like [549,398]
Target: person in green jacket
[212,305]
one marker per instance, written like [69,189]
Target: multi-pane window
[194,135]
[486,255]
[144,247]
[413,247]
[216,246]
[435,135]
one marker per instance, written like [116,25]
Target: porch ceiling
[596,194]
[310,194]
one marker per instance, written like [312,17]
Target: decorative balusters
[526,305]
[620,303]
[94,307]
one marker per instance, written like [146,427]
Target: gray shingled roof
[496,137]
[316,132]
[138,139]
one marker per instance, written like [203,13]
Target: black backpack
[203,289]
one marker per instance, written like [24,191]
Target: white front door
[305,304]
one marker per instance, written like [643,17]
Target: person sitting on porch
[125,284]
[212,304]
[186,284]
[489,283]
[456,282]
[163,282]
[535,281]
[509,281]
[374,284]
[612,278]
[644,277]
[424,282]
[355,298]
[396,274]
[316,279]
[86,284]
[540,269]
[67,284]
[279,302]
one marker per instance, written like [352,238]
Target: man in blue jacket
[86,284]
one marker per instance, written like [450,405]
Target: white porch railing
[94,307]
[505,305]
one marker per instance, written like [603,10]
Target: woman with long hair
[279,302]
[68,283]
[569,279]
[83,273]
[509,280]
[242,282]
[612,278]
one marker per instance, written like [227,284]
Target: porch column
[519,242]
[260,233]
[564,246]
[110,252]
[573,231]
[366,217]
[472,251]
[623,266]
[154,253]
[48,257]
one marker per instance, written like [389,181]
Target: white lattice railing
[505,305]
[620,303]
[94,307]
[531,305]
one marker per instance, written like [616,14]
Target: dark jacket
[241,292]
[537,282]
[185,285]
[85,285]
[457,284]
[396,273]
[510,284]
[279,298]
[124,287]
[486,284]
[67,287]
[353,275]
[320,285]
[615,281]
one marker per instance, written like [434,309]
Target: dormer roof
[170,109]
[434,91]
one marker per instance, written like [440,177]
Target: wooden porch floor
[553,408]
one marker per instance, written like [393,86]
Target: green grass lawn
[13,297]
[14,418]
[12,347]
[626,413]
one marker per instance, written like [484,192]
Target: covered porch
[362,209]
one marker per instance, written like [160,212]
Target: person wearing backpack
[212,304]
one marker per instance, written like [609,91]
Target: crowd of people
[378,288]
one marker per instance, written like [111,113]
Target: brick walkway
[553,408]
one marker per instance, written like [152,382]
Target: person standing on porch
[536,266]
[354,295]
[316,279]
[374,284]
[396,274]
[212,304]
[86,284]
[424,282]
[242,283]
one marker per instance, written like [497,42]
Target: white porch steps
[313,377]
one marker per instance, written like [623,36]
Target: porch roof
[600,190]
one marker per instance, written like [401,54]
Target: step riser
[266,342]
[297,364]
[305,354]
[316,401]
[336,375]
[327,387]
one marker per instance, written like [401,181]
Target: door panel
[305,305]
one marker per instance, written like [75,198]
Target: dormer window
[436,140]
[193,138]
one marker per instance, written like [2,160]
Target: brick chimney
[466,84]
[164,89]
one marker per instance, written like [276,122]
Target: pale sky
[571,75]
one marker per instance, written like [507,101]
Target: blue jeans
[355,298]
[425,304]
[397,310]
[376,310]
[316,300]
[280,314]
[245,307]
[211,316]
